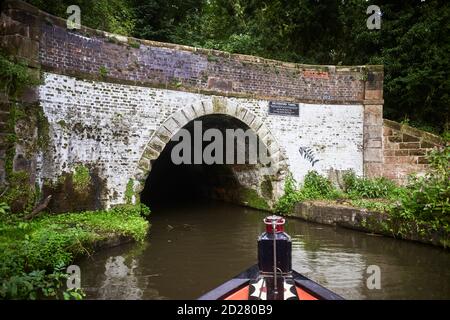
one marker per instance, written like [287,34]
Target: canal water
[193,248]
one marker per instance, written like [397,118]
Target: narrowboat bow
[272,278]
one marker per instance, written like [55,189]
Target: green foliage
[412,44]
[142,209]
[290,197]
[133,43]
[81,178]
[43,128]
[36,284]
[314,186]
[4,209]
[20,195]
[160,19]
[427,198]
[414,47]
[446,136]
[33,254]
[251,198]
[115,16]
[423,203]
[129,192]
[357,187]
[266,187]
[14,75]
[103,72]
[377,206]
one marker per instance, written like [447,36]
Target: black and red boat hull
[239,288]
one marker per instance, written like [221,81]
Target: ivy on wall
[18,192]
[14,76]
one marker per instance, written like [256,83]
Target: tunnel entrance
[170,183]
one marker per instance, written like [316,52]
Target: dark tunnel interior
[169,183]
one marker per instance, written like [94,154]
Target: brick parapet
[85,52]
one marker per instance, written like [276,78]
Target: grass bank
[420,207]
[34,254]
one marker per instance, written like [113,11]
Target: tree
[413,43]
[116,16]
[158,19]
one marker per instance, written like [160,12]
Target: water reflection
[191,250]
[120,282]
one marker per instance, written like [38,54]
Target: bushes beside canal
[314,187]
[34,254]
[426,200]
[423,203]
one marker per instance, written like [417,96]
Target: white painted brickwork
[108,126]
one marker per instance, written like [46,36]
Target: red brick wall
[404,150]
[162,64]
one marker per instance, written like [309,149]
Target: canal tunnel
[241,183]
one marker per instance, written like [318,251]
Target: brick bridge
[111,104]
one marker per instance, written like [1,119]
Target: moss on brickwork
[267,188]
[23,120]
[75,191]
[62,123]
[212,58]
[103,72]
[129,192]
[15,75]
[43,128]
[81,178]
[218,105]
[112,39]
[11,139]
[251,198]
[133,43]
[24,117]
[20,194]
[174,83]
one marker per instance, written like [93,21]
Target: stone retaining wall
[404,150]
[366,221]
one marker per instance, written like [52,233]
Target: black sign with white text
[283,109]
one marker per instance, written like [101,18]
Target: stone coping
[404,128]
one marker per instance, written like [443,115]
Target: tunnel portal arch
[218,106]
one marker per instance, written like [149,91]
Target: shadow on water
[193,248]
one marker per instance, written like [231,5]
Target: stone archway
[215,106]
